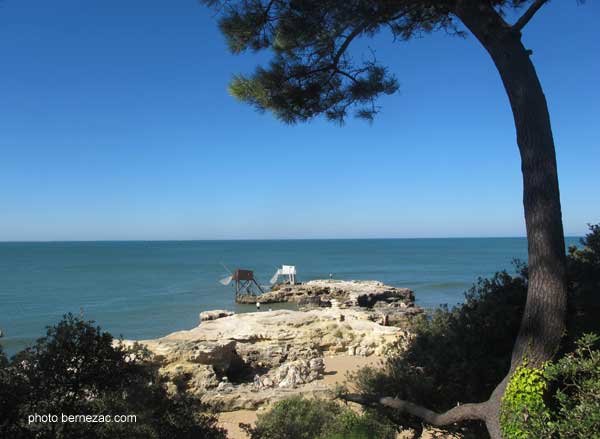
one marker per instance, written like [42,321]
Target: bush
[571,409]
[576,401]
[78,370]
[9,395]
[455,355]
[523,409]
[3,360]
[300,418]
[295,418]
[350,425]
[584,287]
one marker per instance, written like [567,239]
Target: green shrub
[294,418]
[350,425]
[584,287]
[560,401]
[9,396]
[523,409]
[576,400]
[3,359]
[456,355]
[300,418]
[77,370]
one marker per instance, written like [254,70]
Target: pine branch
[459,413]
[528,15]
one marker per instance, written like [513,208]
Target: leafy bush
[523,409]
[584,287]
[576,400]
[350,425]
[3,359]
[9,393]
[300,418]
[294,418]
[78,370]
[572,410]
[455,355]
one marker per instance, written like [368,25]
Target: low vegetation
[300,418]
[559,401]
[78,370]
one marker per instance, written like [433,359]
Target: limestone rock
[214,314]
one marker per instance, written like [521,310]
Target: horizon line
[50,241]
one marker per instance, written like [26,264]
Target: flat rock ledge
[243,361]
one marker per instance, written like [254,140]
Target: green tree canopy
[312,72]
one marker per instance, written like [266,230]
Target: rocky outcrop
[214,314]
[363,293]
[243,360]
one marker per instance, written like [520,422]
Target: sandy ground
[336,369]
[230,422]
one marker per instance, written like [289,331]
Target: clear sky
[115,123]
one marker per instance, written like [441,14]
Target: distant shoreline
[91,241]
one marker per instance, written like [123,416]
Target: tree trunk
[543,321]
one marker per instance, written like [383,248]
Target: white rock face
[214,314]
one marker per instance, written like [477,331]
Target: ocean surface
[147,289]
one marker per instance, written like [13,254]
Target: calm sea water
[148,289]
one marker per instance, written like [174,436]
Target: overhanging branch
[528,15]
[464,412]
[344,46]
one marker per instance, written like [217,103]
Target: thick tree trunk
[543,321]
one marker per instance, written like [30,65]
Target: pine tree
[311,73]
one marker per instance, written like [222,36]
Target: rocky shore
[363,293]
[242,361]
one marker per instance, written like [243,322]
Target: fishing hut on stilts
[244,285]
[288,272]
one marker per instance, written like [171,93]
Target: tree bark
[544,316]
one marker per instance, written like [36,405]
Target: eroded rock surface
[241,361]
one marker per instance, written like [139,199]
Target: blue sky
[115,123]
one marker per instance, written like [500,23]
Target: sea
[147,289]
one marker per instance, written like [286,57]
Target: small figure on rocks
[225,385]
[385,320]
[258,306]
